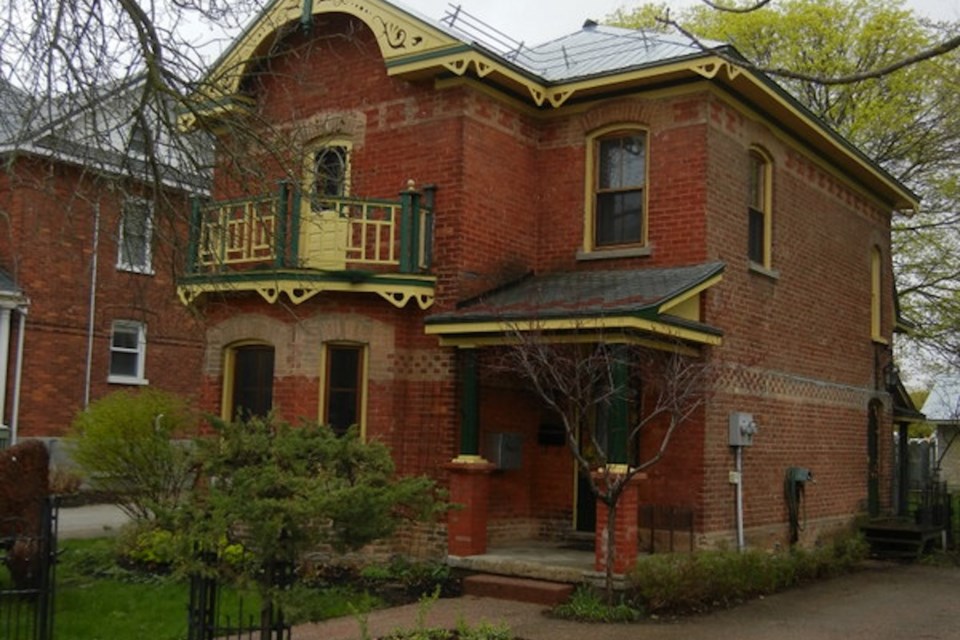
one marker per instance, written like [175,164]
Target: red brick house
[645,188]
[88,245]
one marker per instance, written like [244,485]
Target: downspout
[18,374]
[741,543]
[93,305]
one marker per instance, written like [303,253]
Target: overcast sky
[537,21]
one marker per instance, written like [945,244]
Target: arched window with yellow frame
[616,188]
[760,209]
[247,380]
[327,172]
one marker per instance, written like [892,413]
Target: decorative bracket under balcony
[300,286]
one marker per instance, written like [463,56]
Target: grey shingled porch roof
[587,294]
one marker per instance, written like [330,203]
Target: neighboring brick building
[88,252]
[653,191]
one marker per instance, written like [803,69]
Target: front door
[585,515]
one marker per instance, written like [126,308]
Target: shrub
[587,605]
[281,491]
[696,582]
[125,444]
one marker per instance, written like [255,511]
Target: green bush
[125,444]
[588,605]
[696,582]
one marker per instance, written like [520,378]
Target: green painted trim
[617,420]
[193,243]
[273,276]
[469,404]
[280,260]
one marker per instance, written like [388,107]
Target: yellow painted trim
[573,324]
[477,342]
[689,294]
[590,184]
[399,295]
[470,459]
[398,35]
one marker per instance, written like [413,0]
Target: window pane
[621,162]
[756,182]
[135,234]
[330,172]
[123,363]
[344,384]
[755,236]
[619,218]
[253,381]
[126,338]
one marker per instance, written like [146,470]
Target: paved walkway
[883,602]
[89,521]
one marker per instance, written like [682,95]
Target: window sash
[619,189]
[253,367]
[127,353]
[136,233]
[343,395]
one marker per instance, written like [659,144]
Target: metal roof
[594,50]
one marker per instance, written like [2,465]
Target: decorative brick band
[779,385]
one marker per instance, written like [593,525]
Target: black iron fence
[211,615]
[28,548]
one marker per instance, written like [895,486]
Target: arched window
[760,209]
[248,381]
[328,173]
[616,198]
[876,297]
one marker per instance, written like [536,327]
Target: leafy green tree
[128,446]
[277,490]
[906,121]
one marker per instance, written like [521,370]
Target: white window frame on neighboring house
[144,246]
[124,350]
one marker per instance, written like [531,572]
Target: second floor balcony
[287,243]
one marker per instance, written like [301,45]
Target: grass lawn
[97,600]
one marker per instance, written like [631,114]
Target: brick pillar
[470,491]
[626,528]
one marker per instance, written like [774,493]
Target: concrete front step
[518,589]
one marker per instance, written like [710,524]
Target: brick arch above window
[249,329]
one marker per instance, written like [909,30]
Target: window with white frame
[136,235]
[128,350]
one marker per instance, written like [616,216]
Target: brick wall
[48,247]
[797,349]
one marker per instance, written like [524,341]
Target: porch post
[626,529]
[469,472]
[409,228]
[617,427]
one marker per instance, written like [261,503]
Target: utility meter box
[504,450]
[742,429]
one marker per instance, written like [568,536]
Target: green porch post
[193,241]
[280,242]
[295,227]
[469,407]
[409,228]
[619,417]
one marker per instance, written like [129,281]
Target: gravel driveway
[883,602]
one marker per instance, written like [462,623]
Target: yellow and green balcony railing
[286,243]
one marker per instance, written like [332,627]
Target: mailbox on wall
[504,450]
